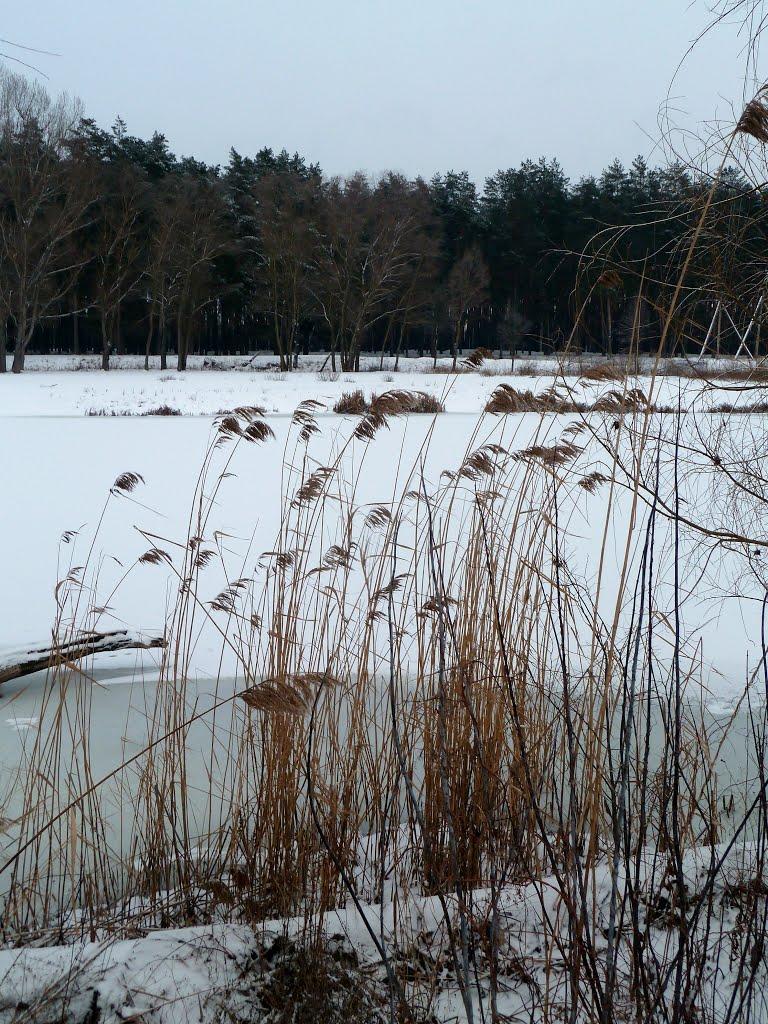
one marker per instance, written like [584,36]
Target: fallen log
[14,664]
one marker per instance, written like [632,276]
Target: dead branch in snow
[24,662]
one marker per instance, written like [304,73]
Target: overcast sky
[415,85]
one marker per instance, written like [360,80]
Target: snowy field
[71,433]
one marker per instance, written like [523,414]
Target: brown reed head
[754,118]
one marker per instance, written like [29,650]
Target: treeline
[111,243]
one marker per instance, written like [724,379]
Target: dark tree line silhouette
[110,243]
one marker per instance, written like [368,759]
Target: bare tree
[286,249]
[199,238]
[371,241]
[117,248]
[43,203]
[466,289]
[511,327]
[160,276]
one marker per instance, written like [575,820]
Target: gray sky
[416,85]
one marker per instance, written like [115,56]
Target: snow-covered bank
[138,393]
[65,386]
[229,972]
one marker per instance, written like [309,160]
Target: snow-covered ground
[70,432]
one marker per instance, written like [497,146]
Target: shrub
[506,399]
[351,403]
[409,402]
[300,985]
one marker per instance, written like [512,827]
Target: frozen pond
[69,464]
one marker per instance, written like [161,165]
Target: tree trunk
[119,346]
[344,352]
[15,664]
[385,342]
[294,346]
[148,347]
[3,342]
[163,340]
[400,345]
[609,324]
[289,345]
[75,325]
[184,339]
[181,353]
[279,340]
[455,343]
[18,355]
[105,342]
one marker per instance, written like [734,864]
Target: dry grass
[506,399]
[754,119]
[744,409]
[160,410]
[608,370]
[746,375]
[477,358]
[423,402]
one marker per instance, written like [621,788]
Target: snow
[168,973]
[136,393]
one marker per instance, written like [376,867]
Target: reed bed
[354,403]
